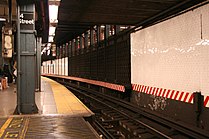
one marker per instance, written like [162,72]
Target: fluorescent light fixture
[51,39]
[54,0]
[102,26]
[2,19]
[53,12]
[52,31]
[123,27]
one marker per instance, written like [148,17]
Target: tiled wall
[173,54]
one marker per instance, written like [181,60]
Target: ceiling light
[51,39]
[2,19]
[123,27]
[52,31]
[53,12]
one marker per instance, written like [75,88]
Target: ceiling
[4,9]
[4,12]
[42,20]
[77,16]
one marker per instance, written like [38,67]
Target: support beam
[91,37]
[107,31]
[98,33]
[10,11]
[86,39]
[38,64]
[26,60]
[117,29]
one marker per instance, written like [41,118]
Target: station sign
[7,41]
[27,21]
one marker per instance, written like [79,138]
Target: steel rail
[181,127]
[126,115]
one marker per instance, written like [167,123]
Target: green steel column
[117,29]
[91,37]
[38,62]
[86,40]
[98,33]
[107,31]
[26,59]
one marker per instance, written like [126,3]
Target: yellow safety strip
[4,127]
[25,128]
[61,98]
[66,102]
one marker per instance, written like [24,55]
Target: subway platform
[61,115]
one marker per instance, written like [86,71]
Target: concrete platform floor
[60,115]
[53,99]
[8,100]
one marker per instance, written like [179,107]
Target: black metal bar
[198,106]
[10,11]
[103,130]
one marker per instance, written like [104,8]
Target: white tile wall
[63,66]
[170,55]
[66,66]
[60,66]
[56,66]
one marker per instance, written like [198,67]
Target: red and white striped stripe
[206,101]
[167,93]
[117,87]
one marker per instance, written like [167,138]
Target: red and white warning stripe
[206,101]
[168,93]
[117,87]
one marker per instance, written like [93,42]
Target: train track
[118,119]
